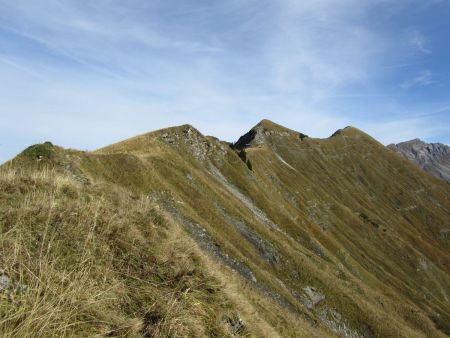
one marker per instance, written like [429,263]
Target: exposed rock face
[432,157]
[313,296]
[258,134]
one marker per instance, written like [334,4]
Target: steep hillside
[432,157]
[299,236]
[85,259]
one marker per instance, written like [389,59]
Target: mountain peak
[146,141]
[416,141]
[348,131]
[432,157]
[269,124]
[264,129]
[184,128]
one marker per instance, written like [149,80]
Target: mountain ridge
[340,235]
[434,158]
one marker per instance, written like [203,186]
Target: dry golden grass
[352,219]
[373,215]
[97,260]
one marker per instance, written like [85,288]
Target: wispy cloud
[395,131]
[424,78]
[18,66]
[419,41]
[126,67]
[319,47]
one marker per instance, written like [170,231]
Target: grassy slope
[98,260]
[86,257]
[403,255]
[343,215]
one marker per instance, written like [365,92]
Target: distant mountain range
[432,157]
[176,234]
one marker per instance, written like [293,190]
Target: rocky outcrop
[258,134]
[432,157]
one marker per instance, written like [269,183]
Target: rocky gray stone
[236,324]
[313,296]
[5,282]
[432,157]
[8,286]
[266,249]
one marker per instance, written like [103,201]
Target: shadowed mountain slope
[432,157]
[324,237]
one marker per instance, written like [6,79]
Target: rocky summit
[177,234]
[432,157]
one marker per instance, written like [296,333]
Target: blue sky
[86,73]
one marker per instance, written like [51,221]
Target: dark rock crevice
[245,140]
